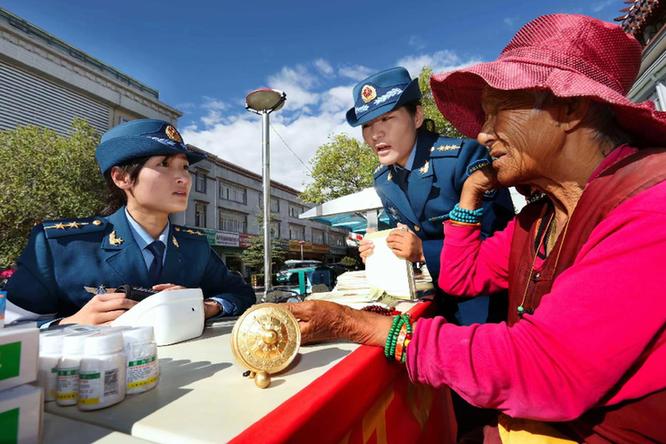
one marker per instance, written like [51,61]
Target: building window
[232,192]
[275,205]
[232,221]
[295,210]
[200,214]
[200,181]
[336,239]
[275,230]
[296,232]
[317,236]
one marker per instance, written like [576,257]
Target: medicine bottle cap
[72,343]
[103,344]
[139,334]
[51,342]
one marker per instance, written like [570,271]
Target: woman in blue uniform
[70,269]
[420,177]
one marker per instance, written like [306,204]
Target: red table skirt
[363,399]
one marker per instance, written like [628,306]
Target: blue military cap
[382,92]
[140,138]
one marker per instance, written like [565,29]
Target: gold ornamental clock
[265,340]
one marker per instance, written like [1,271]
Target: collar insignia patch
[114,239]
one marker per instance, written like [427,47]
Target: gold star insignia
[115,240]
[424,168]
[177,228]
[447,148]
[97,222]
[175,242]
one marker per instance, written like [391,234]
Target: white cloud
[317,99]
[416,42]
[239,141]
[355,72]
[509,21]
[337,99]
[324,67]
[600,6]
[439,61]
[297,83]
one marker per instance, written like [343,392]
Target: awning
[351,211]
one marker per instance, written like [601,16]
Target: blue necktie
[155,270]
[401,177]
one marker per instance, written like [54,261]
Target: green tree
[340,167]
[430,110]
[45,176]
[253,255]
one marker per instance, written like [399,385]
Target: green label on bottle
[9,424]
[141,361]
[95,375]
[10,360]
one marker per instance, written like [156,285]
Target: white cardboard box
[19,351]
[21,411]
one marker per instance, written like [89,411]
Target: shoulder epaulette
[381,169]
[446,147]
[68,227]
[181,230]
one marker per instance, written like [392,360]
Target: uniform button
[417,228]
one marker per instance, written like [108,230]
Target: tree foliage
[253,255]
[340,167]
[45,176]
[430,110]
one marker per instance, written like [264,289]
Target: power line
[292,151]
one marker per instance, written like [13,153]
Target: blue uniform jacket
[64,256]
[440,168]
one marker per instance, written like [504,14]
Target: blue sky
[204,56]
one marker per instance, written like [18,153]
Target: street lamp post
[264,101]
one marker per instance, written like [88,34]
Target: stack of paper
[386,271]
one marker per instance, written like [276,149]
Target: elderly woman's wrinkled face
[521,135]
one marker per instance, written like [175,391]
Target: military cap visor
[141,138]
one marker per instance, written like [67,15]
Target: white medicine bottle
[143,369]
[50,351]
[102,372]
[67,379]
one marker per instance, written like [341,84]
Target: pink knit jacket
[596,339]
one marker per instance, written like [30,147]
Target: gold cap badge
[368,93]
[173,134]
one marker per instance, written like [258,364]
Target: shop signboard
[227,239]
[244,239]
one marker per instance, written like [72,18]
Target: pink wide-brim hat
[569,55]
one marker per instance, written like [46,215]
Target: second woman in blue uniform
[421,176]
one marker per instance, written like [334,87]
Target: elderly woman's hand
[480,181]
[322,321]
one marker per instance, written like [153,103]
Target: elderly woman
[582,356]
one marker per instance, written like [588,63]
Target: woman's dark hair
[428,124]
[411,107]
[116,197]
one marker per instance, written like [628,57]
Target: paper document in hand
[386,271]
